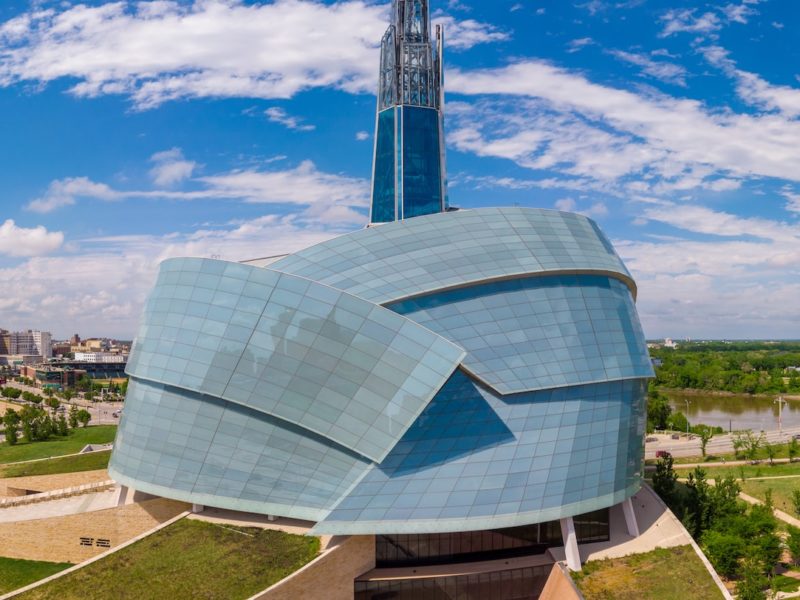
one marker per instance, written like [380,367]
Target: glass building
[461,385]
[409,178]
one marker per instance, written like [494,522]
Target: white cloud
[793,204]
[560,120]
[597,209]
[19,242]
[752,88]
[100,286]
[324,195]
[278,115]
[738,13]
[362,136]
[663,71]
[63,192]
[712,285]
[688,21]
[161,51]
[463,35]
[171,167]
[579,44]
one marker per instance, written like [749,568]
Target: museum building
[463,385]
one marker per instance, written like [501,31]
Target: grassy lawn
[781,491]
[781,583]
[15,573]
[66,464]
[762,470]
[57,446]
[665,574]
[189,559]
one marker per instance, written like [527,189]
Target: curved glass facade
[428,254]
[542,332]
[450,373]
[475,460]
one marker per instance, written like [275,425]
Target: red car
[662,454]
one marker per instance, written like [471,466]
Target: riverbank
[724,394]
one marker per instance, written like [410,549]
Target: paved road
[717,445]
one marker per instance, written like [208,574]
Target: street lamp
[687,416]
[780,402]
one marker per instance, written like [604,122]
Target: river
[735,411]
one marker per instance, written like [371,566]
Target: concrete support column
[197,508]
[121,491]
[630,518]
[570,544]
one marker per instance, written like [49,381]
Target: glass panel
[383,193]
[422,174]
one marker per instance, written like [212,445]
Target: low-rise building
[100,357]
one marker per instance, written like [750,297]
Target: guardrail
[86,488]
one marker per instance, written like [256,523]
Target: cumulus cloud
[331,196]
[171,167]
[160,51]
[63,192]
[20,242]
[560,120]
[99,286]
[362,136]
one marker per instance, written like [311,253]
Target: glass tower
[409,177]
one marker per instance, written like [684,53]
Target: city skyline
[135,132]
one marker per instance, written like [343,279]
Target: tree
[48,392]
[752,443]
[794,449]
[724,550]
[61,425]
[84,417]
[796,501]
[53,403]
[73,416]
[706,433]
[753,582]
[772,451]
[68,394]
[664,482]
[658,410]
[739,443]
[11,421]
[679,421]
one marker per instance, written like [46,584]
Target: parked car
[662,454]
[676,436]
[796,436]
[116,414]
[651,439]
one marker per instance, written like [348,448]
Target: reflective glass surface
[512,584]
[383,185]
[541,332]
[205,450]
[337,365]
[422,172]
[419,256]
[475,460]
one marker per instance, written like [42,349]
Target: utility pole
[687,416]
[780,402]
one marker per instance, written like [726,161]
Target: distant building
[100,357]
[47,376]
[26,343]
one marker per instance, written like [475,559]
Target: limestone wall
[75,538]
[330,576]
[12,486]
[560,586]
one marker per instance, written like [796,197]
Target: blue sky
[135,131]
